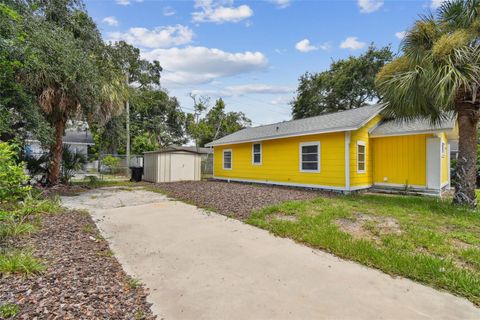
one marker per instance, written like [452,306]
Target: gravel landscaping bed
[82,279]
[234,198]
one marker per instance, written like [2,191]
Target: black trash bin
[137,173]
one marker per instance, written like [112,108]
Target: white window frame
[362,143]
[223,159]
[307,144]
[253,154]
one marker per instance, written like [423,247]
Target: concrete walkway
[201,265]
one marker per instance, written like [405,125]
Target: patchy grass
[133,283]
[9,310]
[424,239]
[16,261]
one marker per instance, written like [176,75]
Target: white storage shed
[172,164]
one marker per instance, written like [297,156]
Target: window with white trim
[257,153]
[227,159]
[310,157]
[361,157]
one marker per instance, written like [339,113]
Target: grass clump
[8,310]
[424,239]
[133,283]
[16,261]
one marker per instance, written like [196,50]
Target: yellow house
[343,151]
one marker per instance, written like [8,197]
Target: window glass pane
[309,149]
[361,166]
[309,166]
[227,165]
[256,158]
[361,149]
[310,157]
[361,157]
[256,147]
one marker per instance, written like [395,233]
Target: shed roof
[416,126]
[191,149]
[331,122]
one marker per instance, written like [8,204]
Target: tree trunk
[56,151]
[466,173]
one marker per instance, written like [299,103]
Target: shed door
[182,167]
[434,163]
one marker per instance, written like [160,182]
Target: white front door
[434,157]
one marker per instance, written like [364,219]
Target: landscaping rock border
[82,280]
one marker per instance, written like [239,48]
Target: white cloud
[282,100]
[435,4]
[305,46]
[281,4]
[352,43]
[401,34]
[325,46]
[168,11]
[126,2]
[220,11]
[369,6]
[259,89]
[159,37]
[244,89]
[196,65]
[111,21]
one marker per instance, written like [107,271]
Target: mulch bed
[234,198]
[82,280]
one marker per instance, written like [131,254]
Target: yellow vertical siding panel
[444,159]
[401,159]
[362,179]
[281,161]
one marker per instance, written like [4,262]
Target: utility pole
[127,107]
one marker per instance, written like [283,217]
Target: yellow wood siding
[401,159]
[281,161]
[444,159]
[365,178]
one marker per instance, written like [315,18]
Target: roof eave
[411,132]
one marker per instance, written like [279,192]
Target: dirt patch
[233,198]
[462,245]
[83,280]
[364,226]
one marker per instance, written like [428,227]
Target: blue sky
[251,53]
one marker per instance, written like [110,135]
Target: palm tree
[437,74]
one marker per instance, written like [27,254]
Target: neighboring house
[344,151]
[76,139]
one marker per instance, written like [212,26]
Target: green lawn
[421,238]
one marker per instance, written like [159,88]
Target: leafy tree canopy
[216,124]
[348,84]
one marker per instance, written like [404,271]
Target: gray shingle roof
[331,122]
[191,149]
[395,127]
[75,136]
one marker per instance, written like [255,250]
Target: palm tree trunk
[56,151]
[466,175]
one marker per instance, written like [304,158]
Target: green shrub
[112,163]
[9,310]
[71,162]
[12,175]
[19,262]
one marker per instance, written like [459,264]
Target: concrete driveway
[201,265]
